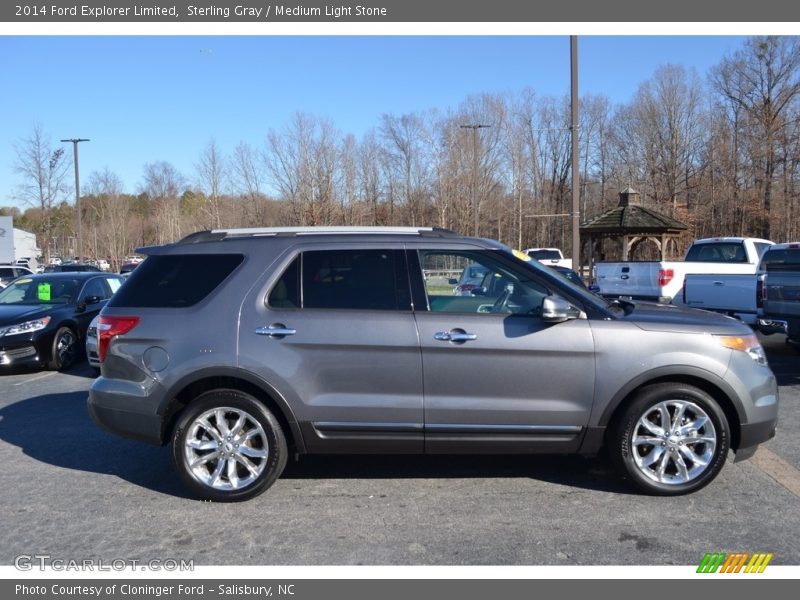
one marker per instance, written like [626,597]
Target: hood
[11,314]
[679,319]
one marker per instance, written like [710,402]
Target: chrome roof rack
[221,234]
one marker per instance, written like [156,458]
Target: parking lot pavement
[73,491]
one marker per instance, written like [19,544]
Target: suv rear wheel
[228,446]
[672,439]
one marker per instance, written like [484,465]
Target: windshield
[39,291]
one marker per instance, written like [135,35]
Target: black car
[71,268]
[43,318]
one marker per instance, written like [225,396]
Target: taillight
[761,290]
[109,327]
[665,276]
[467,287]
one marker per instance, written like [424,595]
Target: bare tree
[212,175]
[110,217]
[248,180]
[301,161]
[763,80]
[44,169]
[163,185]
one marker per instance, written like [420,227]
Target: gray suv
[239,346]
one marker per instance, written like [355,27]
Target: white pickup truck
[662,281]
[745,296]
[550,257]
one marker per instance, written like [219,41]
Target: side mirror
[87,301]
[452,281]
[558,310]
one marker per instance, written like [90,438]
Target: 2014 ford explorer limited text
[239,346]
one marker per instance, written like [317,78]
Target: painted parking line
[777,468]
[37,378]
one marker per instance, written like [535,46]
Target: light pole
[475,128]
[75,142]
[576,207]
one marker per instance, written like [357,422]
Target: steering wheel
[501,304]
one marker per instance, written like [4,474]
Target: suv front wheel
[228,446]
[672,439]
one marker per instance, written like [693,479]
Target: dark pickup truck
[781,293]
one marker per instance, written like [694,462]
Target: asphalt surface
[75,492]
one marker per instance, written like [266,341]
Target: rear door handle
[276,330]
[455,336]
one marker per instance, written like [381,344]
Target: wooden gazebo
[632,224]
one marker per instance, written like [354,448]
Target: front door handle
[455,336]
[276,330]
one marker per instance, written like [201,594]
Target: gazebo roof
[630,218]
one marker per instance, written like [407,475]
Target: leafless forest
[719,151]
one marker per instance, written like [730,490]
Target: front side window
[95,287]
[499,289]
[344,279]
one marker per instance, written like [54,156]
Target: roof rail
[221,234]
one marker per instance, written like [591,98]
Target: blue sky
[142,99]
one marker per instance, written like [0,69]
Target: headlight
[744,343]
[25,327]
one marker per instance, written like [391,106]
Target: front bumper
[20,355]
[33,348]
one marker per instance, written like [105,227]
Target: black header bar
[395,11]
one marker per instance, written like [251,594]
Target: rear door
[497,377]
[335,334]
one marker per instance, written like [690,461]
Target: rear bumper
[126,410]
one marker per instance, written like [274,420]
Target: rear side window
[175,281]
[344,279]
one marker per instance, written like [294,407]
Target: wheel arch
[704,380]
[186,390]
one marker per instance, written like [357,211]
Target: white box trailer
[17,244]
[7,241]
[25,247]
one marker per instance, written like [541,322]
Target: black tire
[64,351]
[680,460]
[240,429]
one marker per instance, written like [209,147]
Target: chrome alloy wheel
[673,442]
[226,449]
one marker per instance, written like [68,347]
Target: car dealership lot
[74,492]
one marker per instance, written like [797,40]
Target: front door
[496,376]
